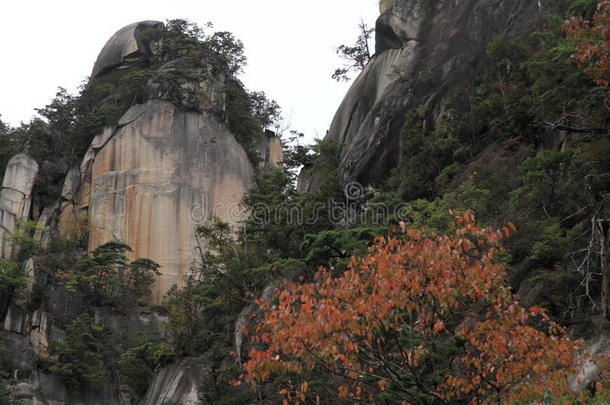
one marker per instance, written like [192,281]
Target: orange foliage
[378,325]
[592,40]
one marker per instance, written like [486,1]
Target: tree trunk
[604,241]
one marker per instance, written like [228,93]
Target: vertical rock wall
[424,49]
[15,198]
[275,152]
[163,170]
[162,173]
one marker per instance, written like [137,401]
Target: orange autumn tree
[423,318]
[592,42]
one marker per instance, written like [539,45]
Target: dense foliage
[592,43]
[420,319]
[527,142]
[84,356]
[425,315]
[106,277]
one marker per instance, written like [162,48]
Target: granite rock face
[423,49]
[151,180]
[587,371]
[27,336]
[15,198]
[269,149]
[275,152]
[161,174]
[177,383]
[127,47]
[169,164]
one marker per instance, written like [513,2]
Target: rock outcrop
[161,174]
[169,165]
[586,369]
[423,50]
[127,47]
[270,150]
[27,337]
[15,198]
[177,383]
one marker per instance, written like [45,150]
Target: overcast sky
[290,46]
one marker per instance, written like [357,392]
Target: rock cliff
[127,47]
[15,198]
[161,173]
[168,165]
[163,170]
[28,335]
[423,50]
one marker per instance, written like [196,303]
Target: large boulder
[160,174]
[424,49]
[15,198]
[127,47]
[588,368]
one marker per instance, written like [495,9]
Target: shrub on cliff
[107,277]
[85,355]
[138,365]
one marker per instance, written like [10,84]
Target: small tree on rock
[355,56]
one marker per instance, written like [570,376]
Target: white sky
[290,46]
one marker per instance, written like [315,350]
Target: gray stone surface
[587,369]
[71,185]
[15,198]
[125,48]
[46,389]
[38,328]
[130,327]
[247,318]
[46,225]
[441,41]
[27,336]
[240,338]
[176,384]
[21,361]
[162,173]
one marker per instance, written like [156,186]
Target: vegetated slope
[162,136]
[473,105]
[512,126]
[508,125]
